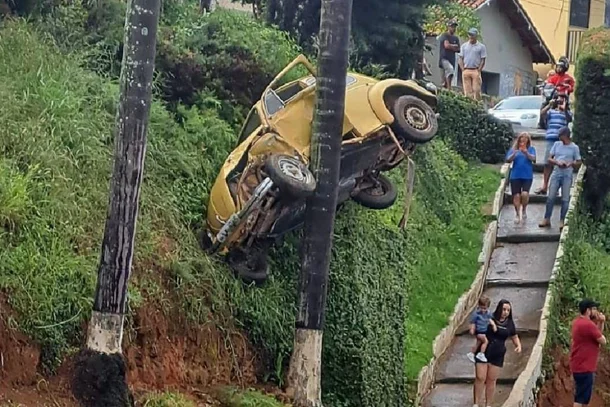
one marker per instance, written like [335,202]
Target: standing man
[587,335]
[472,61]
[449,45]
[565,156]
[556,115]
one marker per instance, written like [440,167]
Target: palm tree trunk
[304,379]
[102,361]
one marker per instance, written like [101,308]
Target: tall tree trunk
[99,377]
[304,378]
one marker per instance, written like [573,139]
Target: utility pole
[304,377]
[100,373]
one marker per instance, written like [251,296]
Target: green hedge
[592,114]
[472,132]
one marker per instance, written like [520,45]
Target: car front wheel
[290,175]
[414,119]
[381,195]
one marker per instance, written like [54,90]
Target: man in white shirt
[472,61]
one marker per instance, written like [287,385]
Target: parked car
[260,192]
[521,110]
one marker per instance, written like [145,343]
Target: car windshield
[276,100]
[530,103]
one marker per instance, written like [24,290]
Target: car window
[519,103]
[252,122]
[275,100]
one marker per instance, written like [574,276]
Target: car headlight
[431,87]
[526,116]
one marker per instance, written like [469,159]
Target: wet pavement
[522,263]
[454,366]
[528,231]
[456,395]
[519,271]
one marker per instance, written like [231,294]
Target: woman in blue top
[523,156]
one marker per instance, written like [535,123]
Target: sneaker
[481,357]
[470,357]
[545,223]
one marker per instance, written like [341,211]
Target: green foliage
[227,55]
[385,34]
[167,399]
[584,271]
[250,398]
[472,132]
[56,140]
[438,15]
[592,114]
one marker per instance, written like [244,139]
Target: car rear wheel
[290,175]
[414,119]
[381,195]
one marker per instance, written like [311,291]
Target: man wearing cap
[472,61]
[449,45]
[587,335]
[564,157]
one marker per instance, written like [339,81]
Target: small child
[478,326]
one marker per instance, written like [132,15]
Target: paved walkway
[519,271]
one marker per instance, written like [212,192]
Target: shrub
[472,132]
[592,114]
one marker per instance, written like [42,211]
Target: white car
[521,110]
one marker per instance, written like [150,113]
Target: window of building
[579,13]
[607,14]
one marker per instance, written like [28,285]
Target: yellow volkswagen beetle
[260,192]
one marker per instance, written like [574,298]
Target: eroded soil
[559,390]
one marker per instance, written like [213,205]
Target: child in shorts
[478,326]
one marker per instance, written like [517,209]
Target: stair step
[455,367]
[460,395]
[522,264]
[528,231]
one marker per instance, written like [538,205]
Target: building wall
[552,19]
[508,69]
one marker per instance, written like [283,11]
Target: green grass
[247,398]
[445,266]
[167,399]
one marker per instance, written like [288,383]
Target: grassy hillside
[56,142]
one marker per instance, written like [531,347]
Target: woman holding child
[500,328]
[523,157]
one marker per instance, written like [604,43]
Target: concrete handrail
[523,392]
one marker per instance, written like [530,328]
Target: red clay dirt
[163,352]
[559,390]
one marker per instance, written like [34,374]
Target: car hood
[510,114]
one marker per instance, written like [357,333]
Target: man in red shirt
[586,338]
[563,81]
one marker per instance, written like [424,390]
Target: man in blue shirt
[557,116]
[565,157]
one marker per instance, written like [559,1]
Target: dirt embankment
[162,352]
[559,390]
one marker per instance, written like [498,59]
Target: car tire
[414,119]
[384,200]
[249,268]
[290,175]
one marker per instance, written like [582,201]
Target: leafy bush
[472,132]
[592,114]
[226,54]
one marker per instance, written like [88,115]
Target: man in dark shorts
[587,335]
[449,45]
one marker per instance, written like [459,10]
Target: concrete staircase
[519,271]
